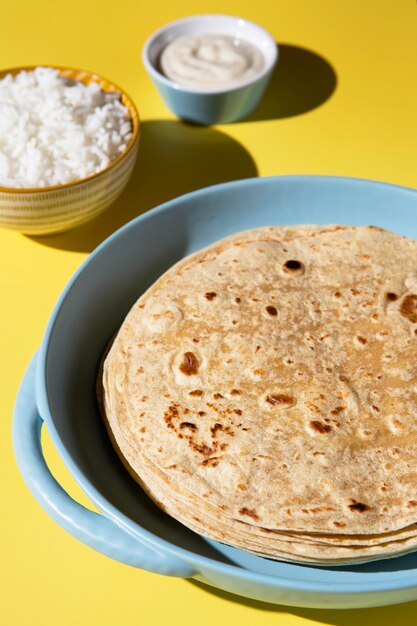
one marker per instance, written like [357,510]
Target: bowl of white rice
[68,145]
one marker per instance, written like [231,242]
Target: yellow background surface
[364,127]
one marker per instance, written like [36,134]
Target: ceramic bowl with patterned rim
[46,210]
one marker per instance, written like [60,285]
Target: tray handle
[93,529]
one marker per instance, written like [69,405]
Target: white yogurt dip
[210,60]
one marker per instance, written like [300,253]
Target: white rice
[54,130]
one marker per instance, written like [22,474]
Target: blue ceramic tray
[59,389]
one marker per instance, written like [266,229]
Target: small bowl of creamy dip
[211,69]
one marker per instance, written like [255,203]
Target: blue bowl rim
[284,583]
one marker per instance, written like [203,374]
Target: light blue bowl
[59,389]
[211,106]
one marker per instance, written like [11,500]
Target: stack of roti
[263,392]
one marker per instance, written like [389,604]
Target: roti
[264,392]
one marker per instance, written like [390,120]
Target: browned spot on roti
[315,409]
[202,448]
[271,310]
[320,427]
[213,461]
[235,392]
[412,503]
[339,524]
[391,296]
[217,426]
[249,512]
[360,507]
[210,295]
[361,339]
[280,399]
[337,410]
[170,415]
[292,266]
[408,308]
[189,425]
[190,364]
[196,392]
[217,396]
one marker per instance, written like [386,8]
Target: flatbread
[267,386]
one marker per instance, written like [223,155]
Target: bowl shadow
[174,158]
[301,81]
[403,614]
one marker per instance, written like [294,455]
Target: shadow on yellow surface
[174,158]
[401,614]
[302,81]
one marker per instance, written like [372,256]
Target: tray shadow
[302,81]
[174,158]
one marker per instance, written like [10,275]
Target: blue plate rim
[285,583]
